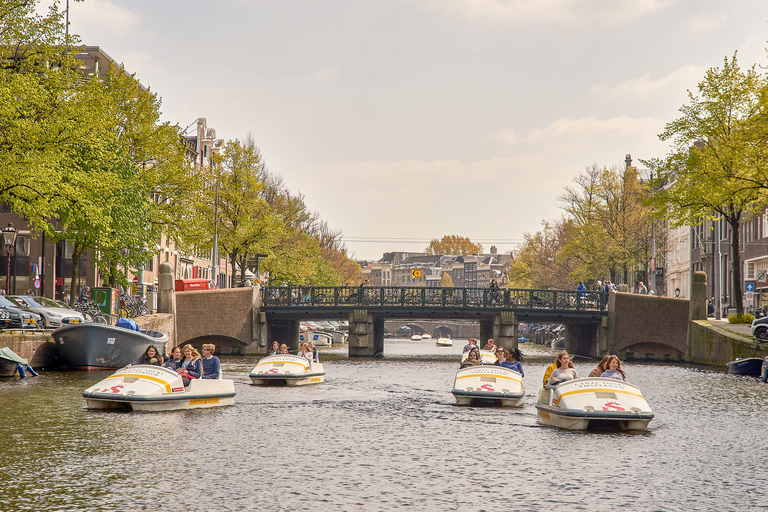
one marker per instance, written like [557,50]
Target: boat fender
[31,371]
[20,369]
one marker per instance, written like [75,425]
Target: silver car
[52,313]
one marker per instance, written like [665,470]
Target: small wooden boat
[287,369]
[153,388]
[752,366]
[579,404]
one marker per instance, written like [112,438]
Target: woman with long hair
[613,370]
[563,371]
[150,356]
[190,366]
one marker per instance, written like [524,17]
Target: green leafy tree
[539,263]
[712,156]
[446,281]
[453,245]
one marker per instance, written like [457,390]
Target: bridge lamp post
[9,237]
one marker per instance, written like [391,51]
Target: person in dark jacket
[150,356]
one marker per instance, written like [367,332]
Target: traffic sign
[750,287]
[37,283]
[416,273]
[749,295]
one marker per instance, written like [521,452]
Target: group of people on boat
[307,351]
[562,370]
[508,358]
[185,361]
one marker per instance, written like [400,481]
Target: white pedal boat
[287,369]
[416,337]
[597,402]
[152,388]
[426,336]
[488,384]
[444,342]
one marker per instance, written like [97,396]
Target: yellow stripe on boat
[600,390]
[147,377]
[284,362]
[493,375]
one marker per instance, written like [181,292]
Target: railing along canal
[423,297]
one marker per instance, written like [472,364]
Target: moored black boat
[92,346]
[747,366]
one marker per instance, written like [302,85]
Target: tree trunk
[736,261]
[73,277]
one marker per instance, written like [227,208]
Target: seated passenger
[315,356]
[275,349]
[189,367]
[548,374]
[563,372]
[284,349]
[490,345]
[614,370]
[473,359]
[175,361]
[598,370]
[514,359]
[211,363]
[305,352]
[150,356]
[471,343]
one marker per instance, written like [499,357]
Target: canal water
[384,435]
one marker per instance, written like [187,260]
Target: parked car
[5,319]
[51,312]
[760,329]
[20,319]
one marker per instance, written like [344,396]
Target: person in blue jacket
[513,360]
[211,363]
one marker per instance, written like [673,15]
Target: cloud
[118,20]
[645,86]
[575,135]
[557,11]
[326,74]
[703,25]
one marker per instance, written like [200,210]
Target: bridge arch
[224,344]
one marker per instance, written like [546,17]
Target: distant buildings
[414,269]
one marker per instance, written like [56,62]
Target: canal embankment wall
[39,348]
[717,344]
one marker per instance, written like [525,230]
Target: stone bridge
[237,320]
[227,318]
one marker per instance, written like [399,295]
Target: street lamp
[9,237]
[677,293]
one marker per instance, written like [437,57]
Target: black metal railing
[422,297]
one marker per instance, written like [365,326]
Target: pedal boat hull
[581,404]
[152,388]
[286,370]
[488,385]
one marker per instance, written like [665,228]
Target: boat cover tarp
[128,323]
[10,355]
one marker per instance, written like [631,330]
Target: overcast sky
[406,120]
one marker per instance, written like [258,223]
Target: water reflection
[383,435]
